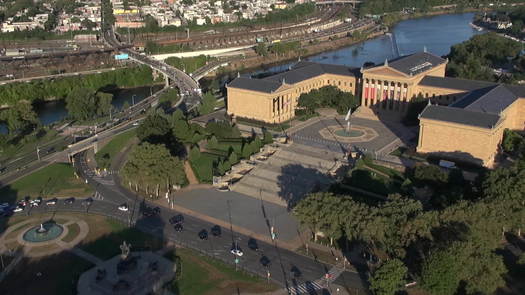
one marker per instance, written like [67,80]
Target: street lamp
[38,153]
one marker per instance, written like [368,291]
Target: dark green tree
[389,278]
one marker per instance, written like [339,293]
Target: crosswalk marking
[98,196]
[305,288]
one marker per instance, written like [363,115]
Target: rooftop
[299,72]
[460,116]
[416,63]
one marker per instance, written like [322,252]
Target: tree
[512,141]
[267,137]
[20,118]
[152,168]
[261,49]
[440,272]
[233,159]
[154,129]
[83,104]
[213,143]
[208,103]
[389,278]
[88,24]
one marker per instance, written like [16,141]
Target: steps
[288,175]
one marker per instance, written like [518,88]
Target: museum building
[464,119]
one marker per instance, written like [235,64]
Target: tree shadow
[7,195]
[295,181]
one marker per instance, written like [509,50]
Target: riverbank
[254,61]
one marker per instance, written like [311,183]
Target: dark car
[69,201]
[147,212]
[252,244]
[177,219]
[203,234]
[87,202]
[265,261]
[216,231]
[178,227]
[156,210]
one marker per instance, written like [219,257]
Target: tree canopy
[328,96]
[83,104]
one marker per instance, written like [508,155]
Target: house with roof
[274,99]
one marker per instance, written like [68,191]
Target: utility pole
[133,99]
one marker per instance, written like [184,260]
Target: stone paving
[289,174]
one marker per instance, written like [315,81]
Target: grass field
[105,156]
[201,275]
[55,180]
[203,167]
[108,236]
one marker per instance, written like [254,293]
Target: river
[437,34]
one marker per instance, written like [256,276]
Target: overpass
[188,87]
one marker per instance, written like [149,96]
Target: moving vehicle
[203,234]
[51,202]
[124,207]
[87,202]
[236,251]
[178,227]
[177,219]
[216,231]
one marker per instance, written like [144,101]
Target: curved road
[298,273]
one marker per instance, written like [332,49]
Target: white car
[18,209]
[123,207]
[236,252]
[51,202]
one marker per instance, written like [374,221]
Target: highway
[188,87]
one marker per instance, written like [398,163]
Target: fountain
[47,231]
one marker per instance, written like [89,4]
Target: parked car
[124,207]
[19,208]
[178,227]
[69,201]
[179,218]
[51,202]
[216,231]
[203,234]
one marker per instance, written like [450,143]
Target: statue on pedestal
[125,248]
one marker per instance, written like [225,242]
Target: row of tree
[385,6]
[449,250]
[328,96]
[60,88]
[476,58]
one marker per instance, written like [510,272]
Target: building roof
[260,85]
[305,70]
[416,63]
[299,72]
[454,83]
[460,116]
[492,99]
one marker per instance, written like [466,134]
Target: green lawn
[72,233]
[201,275]
[203,167]
[108,152]
[55,180]
[107,246]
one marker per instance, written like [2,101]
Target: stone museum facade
[464,120]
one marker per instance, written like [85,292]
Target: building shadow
[295,181]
